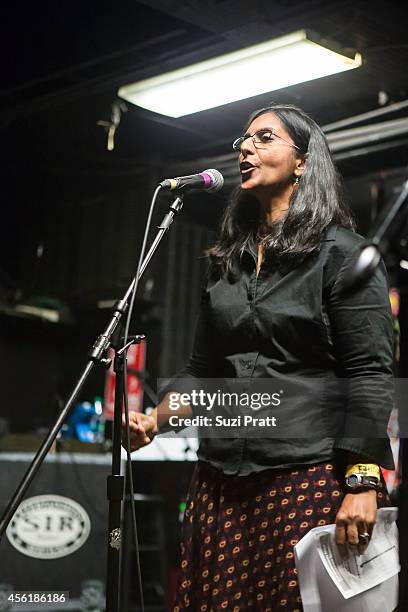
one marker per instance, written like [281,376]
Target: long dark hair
[317,203]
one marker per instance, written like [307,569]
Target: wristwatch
[356,482]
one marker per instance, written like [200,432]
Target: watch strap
[365,469]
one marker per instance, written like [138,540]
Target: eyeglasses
[261,137]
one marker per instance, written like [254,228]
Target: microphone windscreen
[217,180]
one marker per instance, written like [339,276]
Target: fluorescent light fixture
[281,62]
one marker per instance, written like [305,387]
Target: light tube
[268,66]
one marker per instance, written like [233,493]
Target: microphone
[210,180]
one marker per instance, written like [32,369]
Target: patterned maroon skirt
[239,533]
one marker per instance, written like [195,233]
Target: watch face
[353,480]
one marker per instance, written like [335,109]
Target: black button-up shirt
[294,324]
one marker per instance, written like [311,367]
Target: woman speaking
[273,308]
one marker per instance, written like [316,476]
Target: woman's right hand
[142,429]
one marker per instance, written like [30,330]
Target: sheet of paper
[366,583]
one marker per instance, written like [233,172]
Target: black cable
[125,394]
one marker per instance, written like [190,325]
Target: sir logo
[49,527]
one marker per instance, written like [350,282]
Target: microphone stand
[115,484]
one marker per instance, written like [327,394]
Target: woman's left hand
[355,521]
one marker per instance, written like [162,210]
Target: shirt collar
[250,254]
[330,234]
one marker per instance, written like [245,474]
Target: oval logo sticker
[49,527]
